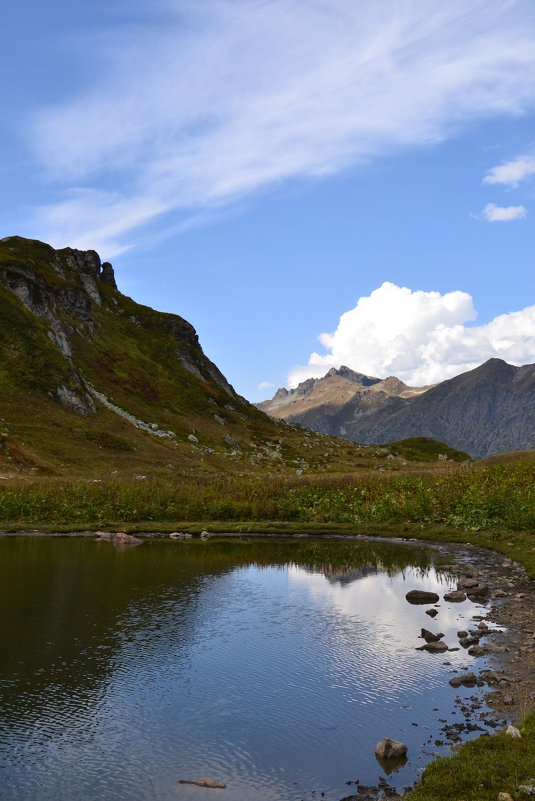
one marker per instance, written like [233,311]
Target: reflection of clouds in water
[371,616]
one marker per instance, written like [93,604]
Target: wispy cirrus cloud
[201,106]
[511,173]
[420,337]
[493,213]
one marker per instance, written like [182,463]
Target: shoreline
[509,649]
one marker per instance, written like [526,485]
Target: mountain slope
[93,384]
[485,411]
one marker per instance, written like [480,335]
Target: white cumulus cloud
[265,385]
[493,213]
[209,101]
[511,173]
[420,337]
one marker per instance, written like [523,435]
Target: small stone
[390,749]
[456,597]
[429,636]
[466,679]
[431,612]
[421,597]
[467,583]
[212,784]
[205,535]
[435,647]
[192,438]
[512,731]
[479,591]
[476,650]
[504,797]
[122,540]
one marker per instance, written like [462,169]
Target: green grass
[424,449]
[488,505]
[482,769]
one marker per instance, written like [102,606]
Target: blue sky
[278,171]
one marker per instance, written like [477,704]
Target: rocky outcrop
[69,290]
[107,276]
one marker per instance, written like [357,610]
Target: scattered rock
[122,540]
[432,612]
[504,797]
[421,597]
[429,636]
[476,650]
[180,535]
[212,784]
[479,591]
[435,647]
[512,731]
[390,749]
[467,642]
[205,535]
[466,679]
[456,597]
[467,583]
[192,438]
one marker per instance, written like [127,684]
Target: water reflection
[272,666]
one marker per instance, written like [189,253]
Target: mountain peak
[358,378]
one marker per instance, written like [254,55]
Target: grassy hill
[96,385]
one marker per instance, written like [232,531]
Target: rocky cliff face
[67,290]
[485,411]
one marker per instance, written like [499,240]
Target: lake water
[274,667]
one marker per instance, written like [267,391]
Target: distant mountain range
[485,411]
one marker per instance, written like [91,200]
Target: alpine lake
[272,665]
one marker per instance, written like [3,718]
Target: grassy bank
[487,504]
[482,769]
[472,497]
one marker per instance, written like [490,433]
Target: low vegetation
[489,504]
[482,769]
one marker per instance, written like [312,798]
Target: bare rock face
[390,749]
[107,276]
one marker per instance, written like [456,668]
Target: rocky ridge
[485,411]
